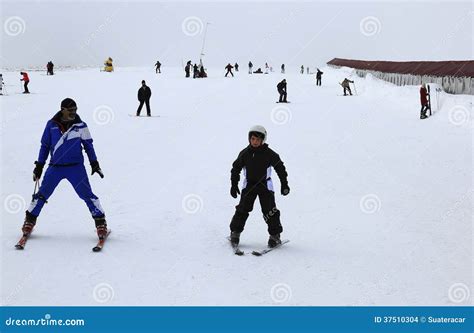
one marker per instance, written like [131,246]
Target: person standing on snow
[229,70]
[257,159]
[318,77]
[1,84]
[424,101]
[282,68]
[144,95]
[250,67]
[281,87]
[236,67]
[64,138]
[26,80]
[345,85]
[302,69]
[158,67]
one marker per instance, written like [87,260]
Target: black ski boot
[235,237]
[101,226]
[29,224]
[274,240]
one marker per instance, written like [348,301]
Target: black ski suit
[229,70]
[318,77]
[281,87]
[257,164]
[144,94]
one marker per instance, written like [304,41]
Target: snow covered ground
[380,209]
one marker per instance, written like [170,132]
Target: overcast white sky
[295,33]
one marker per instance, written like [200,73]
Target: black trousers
[424,108]
[318,81]
[348,89]
[271,214]
[229,71]
[26,86]
[148,111]
[282,96]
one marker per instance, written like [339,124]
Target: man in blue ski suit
[63,138]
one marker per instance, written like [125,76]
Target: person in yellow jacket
[109,67]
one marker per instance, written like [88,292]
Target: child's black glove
[234,190]
[285,189]
[96,169]
[38,171]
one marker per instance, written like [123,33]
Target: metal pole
[203,42]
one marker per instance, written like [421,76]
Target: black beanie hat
[68,103]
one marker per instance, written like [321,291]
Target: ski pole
[355,90]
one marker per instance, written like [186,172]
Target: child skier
[64,137]
[256,160]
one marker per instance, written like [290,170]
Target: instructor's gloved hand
[234,190]
[96,168]
[285,189]
[38,171]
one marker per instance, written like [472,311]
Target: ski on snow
[22,242]
[268,249]
[101,242]
[235,248]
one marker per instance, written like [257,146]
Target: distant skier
[267,68]
[302,69]
[187,69]
[144,95]
[26,81]
[158,67]
[236,66]
[229,70]
[202,72]
[257,159]
[50,68]
[64,138]
[345,85]
[195,71]
[318,77]
[1,84]
[250,67]
[258,71]
[307,70]
[281,87]
[282,68]
[424,101]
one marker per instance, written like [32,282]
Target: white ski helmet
[260,131]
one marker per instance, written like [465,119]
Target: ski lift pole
[203,42]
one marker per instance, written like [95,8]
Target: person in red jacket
[424,101]
[25,79]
